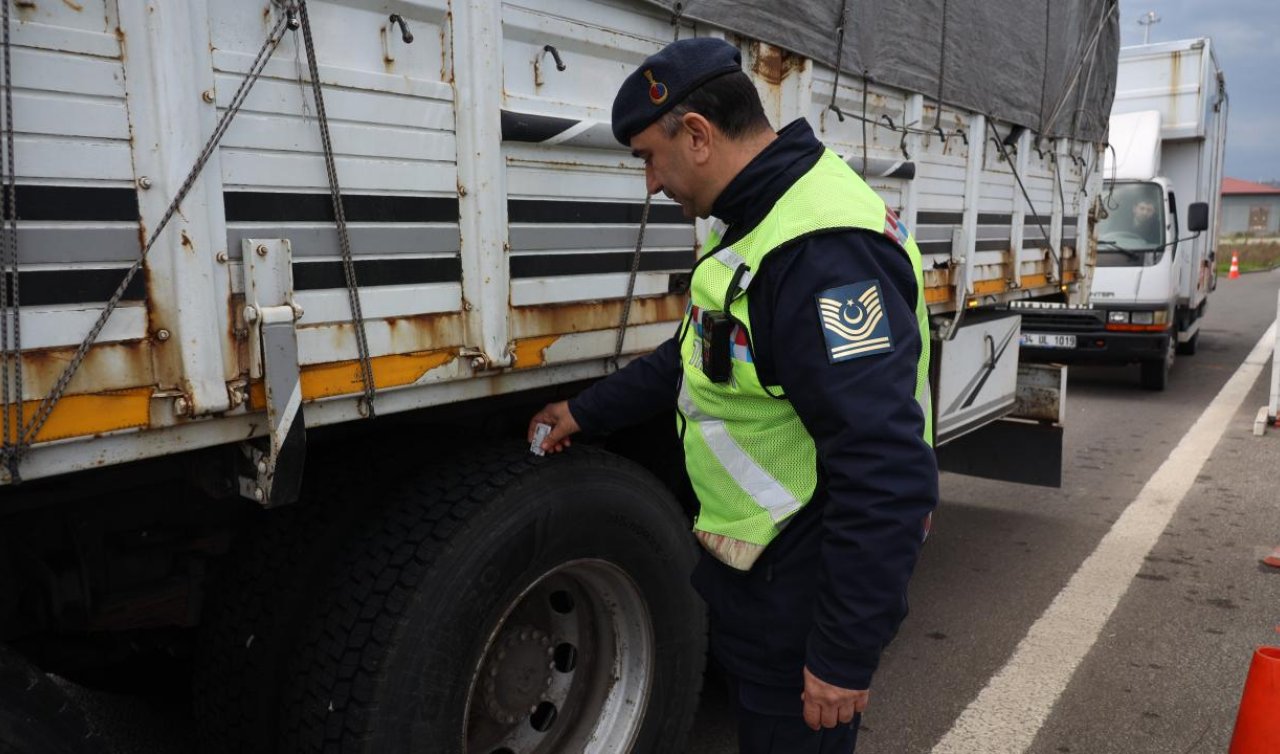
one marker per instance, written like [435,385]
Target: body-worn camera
[717,334]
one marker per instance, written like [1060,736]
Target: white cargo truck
[1158,233]
[286,281]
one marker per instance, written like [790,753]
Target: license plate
[1047,340]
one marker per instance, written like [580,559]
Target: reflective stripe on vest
[752,463]
[751,476]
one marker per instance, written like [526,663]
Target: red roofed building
[1249,208]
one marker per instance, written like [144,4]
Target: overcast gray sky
[1246,39]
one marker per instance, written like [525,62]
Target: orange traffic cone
[1257,724]
[1273,559]
[1235,266]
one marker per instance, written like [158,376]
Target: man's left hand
[826,706]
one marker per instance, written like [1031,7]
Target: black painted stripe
[74,203]
[551,265]
[1033,243]
[905,171]
[956,218]
[1070,220]
[50,287]
[944,247]
[939,218]
[272,206]
[310,276]
[530,127]
[570,212]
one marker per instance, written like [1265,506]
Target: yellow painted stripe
[937,294]
[78,415]
[942,293]
[532,352]
[343,377]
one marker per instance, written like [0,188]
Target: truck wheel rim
[569,667]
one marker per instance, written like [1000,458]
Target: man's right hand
[562,425]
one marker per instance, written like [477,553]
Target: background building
[1249,208]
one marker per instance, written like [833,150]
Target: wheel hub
[518,673]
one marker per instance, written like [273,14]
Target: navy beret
[665,78]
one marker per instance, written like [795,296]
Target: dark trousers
[770,721]
[771,734]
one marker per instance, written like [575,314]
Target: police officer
[800,378]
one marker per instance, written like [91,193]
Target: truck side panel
[491,215]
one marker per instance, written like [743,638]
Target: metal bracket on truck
[272,317]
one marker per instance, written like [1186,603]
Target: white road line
[1007,714]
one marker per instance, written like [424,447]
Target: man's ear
[701,134]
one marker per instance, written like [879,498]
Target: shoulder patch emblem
[895,228]
[854,323]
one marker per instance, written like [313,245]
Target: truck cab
[1154,258]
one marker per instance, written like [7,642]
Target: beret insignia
[657,90]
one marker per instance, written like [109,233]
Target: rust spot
[431,329]
[407,334]
[561,319]
[773,64]
[186,242]
[266,14]
[445,73]
[388,62]
[110,366]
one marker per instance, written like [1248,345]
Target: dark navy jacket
[831,590]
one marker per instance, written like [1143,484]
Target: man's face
[668,167]
[1143,212]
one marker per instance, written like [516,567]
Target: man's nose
[651,181]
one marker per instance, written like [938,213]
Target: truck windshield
[1132,232]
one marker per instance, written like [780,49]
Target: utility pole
[1145,22]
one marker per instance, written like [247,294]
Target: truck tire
[509,605]
[1155,373]
[1189,348]
[257,604]
[37,717]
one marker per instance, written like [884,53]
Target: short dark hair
[730,102]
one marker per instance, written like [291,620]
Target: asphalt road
[1165,672]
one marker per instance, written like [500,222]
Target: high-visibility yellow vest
[751,461]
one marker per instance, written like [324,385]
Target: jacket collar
[752,193]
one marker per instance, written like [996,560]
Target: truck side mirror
[1198,217]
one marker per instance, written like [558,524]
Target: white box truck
[287,281]
[1158,231]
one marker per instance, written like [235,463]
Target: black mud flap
[1008,450]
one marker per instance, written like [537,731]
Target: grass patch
[1255,254]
